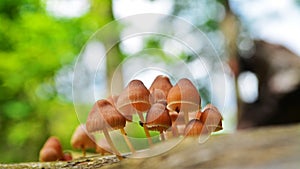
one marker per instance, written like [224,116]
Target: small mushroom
[113,100]
[52,150]
[184,97]
[103,117]
[82,140]
[159,89]
[67,156]
[135,95]
[212,118]
[135,99]
[158,119]
[195,128]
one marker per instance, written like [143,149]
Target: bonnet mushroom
[195,128]
[158,119]
[52,150]
[113,100]
[211,118]
[159,89]
[82,140]
[184,97]
[135,99]
[103,117]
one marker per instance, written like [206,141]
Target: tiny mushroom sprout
[67,156]
[82,140]
[135,99]
[103,117]
[184,97]
[158,119]
[159,89]
[211,118]
[52,150]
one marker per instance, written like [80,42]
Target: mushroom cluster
[162,108]
[167,109]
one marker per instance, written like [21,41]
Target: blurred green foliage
[34,45]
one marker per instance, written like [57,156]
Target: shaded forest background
[38,50]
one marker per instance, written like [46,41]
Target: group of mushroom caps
[163,107]
[159,108]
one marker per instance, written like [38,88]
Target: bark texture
[267,147]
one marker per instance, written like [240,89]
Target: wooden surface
[272,147]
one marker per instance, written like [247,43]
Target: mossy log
[269,147]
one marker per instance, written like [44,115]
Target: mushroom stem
[83,151]
[162,136]
[186,118]
[174,129]
[127,140]
[111,144]
[146,129]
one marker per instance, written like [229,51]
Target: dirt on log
[269,147]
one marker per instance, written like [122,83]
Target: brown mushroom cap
[104,115]
[113,99]
[134,98]
[49,154]
[194,128]
[183,97]
[52,150]
[159,89]
[67,156]
[158,118]
[212,118]
[211,106]
[81,139]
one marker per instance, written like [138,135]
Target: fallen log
[267,147]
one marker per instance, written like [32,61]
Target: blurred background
[40,41]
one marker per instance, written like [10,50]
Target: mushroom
[135,99]
[67,156]
[184,97]
[194,128]
[158,119]
[102,117]
[113,100]
[52,150]
[212,118]
[159,89]
[82,140]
